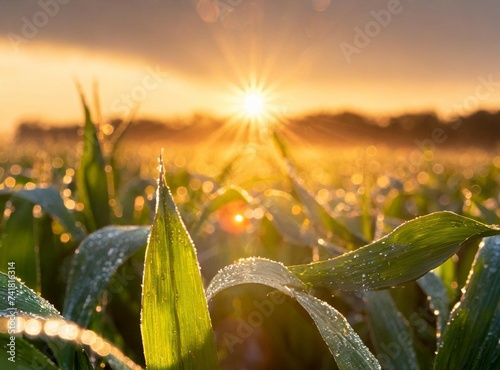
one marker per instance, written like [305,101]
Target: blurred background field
[385,183]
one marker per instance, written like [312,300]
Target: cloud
[174,33]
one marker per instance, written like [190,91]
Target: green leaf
[486,214]
[94,263]
[227,169]
[315,211]
[447,273]
[25,301]
[51,202]
[118,134]
[18,244]
[390,332]
[222,197]
[21,240]
[433,286]
[294,226]
[344,344]
[4,198]
[404,255]
[135,188]
[471,338]
[25,356]
[320,216]
[176,327]
[92,184]
[82,361]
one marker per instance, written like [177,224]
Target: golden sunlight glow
[239,218]
[252,109]
[253,104]
[69,331]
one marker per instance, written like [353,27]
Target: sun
[253,111]
[253,104]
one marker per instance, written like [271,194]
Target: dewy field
[267,255]
[249,185]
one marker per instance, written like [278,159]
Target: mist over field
[424,131]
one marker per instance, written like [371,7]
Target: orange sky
[176,58]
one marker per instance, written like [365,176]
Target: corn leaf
[294,226]
[344,344]
[222,197]
[404,255]
[390,332]
[471,338]
[24,356]
[25,300]
[82,361]
[318,214]
[92,184]
[433,286]
[176,327]
[27,303]
[93,265]
[51,202]
[17,244]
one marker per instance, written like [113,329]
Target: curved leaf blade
[25,355]
[94,263]
[51,202]
[314,210]
[28,304]
[293,226]
[320,215]
[433,286]
[26,301]
[92,183]
[222,197]
[176,328]
[344,344]
[472,336]
[404,255]
[18,244]
[390,332]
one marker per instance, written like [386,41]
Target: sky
[175,58]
